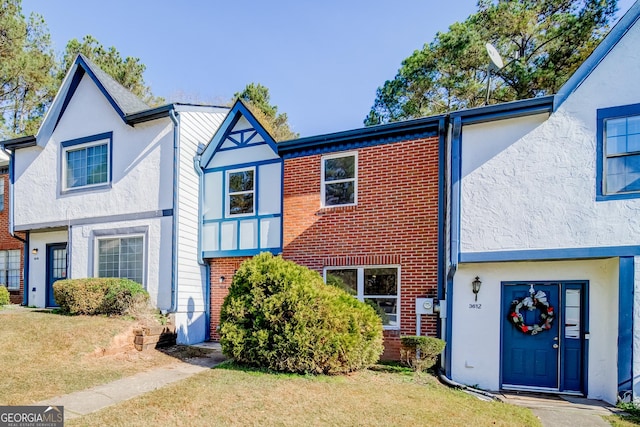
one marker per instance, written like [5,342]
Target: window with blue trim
[240,192]
[619,152]
[86,162]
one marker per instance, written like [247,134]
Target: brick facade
[8,242]
[395,222]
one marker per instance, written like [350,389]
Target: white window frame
[324,183]
[96,262]
[5,276]
[228,193]
[360,286]
[83,146]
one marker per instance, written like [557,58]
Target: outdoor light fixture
[221,279]
[475,286]
[34,251]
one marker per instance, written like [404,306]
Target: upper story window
[339,179]
[86,162]
[376,286]
[619,152]
[241,192]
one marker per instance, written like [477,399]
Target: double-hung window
[376,286]
[240,192]
[619,152]
[86,162]
[121,257]
[10,269]
[339,185]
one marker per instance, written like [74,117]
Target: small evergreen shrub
[4,296]
[112,296]
[282,316]
[420,352]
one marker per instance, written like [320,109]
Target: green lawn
[228,395]
[44,354]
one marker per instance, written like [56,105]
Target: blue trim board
[625,326]
[449,331]
[507,110]
[602,115]
[243,165]
[86,139]
[550,254]
[456,173]
[599,53]
[240,253]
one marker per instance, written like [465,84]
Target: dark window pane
[344,279]
[339,168]
[241,181]
[387,309]
[623,174]
[616,127]
[616,144]
[339,194]
[380,281]
[241,204]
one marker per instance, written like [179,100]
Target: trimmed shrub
[4,296]
[112,296]
[282,316]
[420,352]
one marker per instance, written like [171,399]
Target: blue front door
[529,360]
[56,268]
[551,359]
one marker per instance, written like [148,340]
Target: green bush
[112,296]
[4,296]
[420,352]
[281,316]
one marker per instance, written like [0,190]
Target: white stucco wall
[37,283]
[157,252]
[538,191]
[476,358]
[141,163]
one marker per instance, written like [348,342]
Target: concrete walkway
[93,399]
[561,411]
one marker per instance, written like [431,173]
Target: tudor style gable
[241,204]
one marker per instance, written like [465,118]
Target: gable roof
[616,34]
[121,99]
[238,110]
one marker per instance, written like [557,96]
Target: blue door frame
[533,362]
[56,268]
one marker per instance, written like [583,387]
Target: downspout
[174,233]
[207,293]
[25,275]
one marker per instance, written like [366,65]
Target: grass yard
[44,354]
[229,395]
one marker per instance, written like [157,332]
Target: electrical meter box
[424,305]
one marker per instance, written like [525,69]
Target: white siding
[195,128]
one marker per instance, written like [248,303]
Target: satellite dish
[496,60]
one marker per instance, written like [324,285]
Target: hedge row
[111,296]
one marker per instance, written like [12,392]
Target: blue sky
[322,61]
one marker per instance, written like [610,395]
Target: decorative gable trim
[226,138]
